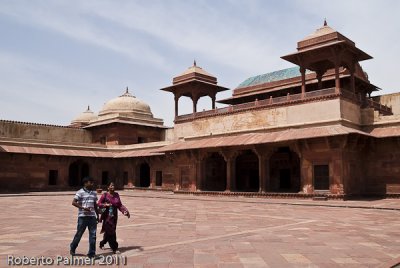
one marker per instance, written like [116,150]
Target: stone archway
[284,171]
[77,171]
[214,173]
[247,172]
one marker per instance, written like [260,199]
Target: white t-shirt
[87,199]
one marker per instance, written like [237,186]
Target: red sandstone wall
[126,134]
[353,172]
[29,131]
[382,167]
[322,152]
[24,172]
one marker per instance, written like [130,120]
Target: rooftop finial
[325,24]
[194,62]
[127,90]
[88,108]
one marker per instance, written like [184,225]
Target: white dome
[125,104]
[84,117]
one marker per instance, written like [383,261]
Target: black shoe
[72,252]
[101,245]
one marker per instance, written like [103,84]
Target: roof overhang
[122,121]
[296,57]
[286,135]
[203,87]
[95,151]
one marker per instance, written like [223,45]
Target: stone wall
[391,100]
[300,114]
[123,134]
[25,172]
[350,112]
[382,167]
[353,172]
[320,152]
[29,131]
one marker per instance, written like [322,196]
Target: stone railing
[327,93]
[365,102]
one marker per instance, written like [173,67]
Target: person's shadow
[122,250]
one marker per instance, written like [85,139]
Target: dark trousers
[111,239]
[91,224]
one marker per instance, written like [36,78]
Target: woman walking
[110,203]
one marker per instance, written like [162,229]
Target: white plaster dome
[125,104]
[84,117]
[126,109]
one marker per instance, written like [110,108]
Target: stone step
[320,198]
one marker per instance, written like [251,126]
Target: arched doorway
[285,171]
[247,172]
[77,171]
[215,173]
[144,175]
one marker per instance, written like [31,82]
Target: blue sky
[57,57]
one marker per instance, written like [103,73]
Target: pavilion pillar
[176,104]
[303,82]
[213,101]
[195,99]
[352,79]
[319,78]
[337,78]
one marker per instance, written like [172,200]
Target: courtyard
[173,230]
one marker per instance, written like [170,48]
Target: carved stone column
[319,78]
[263,153]
[337,59]
[195,99]
[303,82]
[176,104]
[230,159]
[352,79]
[213,101]
[199,160]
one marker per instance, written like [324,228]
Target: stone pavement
[172,230]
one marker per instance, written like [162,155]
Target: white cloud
[69,20]
[44,91]
[231,39]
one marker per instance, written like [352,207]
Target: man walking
[86,200]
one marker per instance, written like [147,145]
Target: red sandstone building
[308,130]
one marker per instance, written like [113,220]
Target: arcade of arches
[242,170]
[248,171]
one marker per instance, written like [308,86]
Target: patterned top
[272,77]
[86,199]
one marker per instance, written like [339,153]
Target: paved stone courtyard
[170,230]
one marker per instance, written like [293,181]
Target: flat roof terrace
[323,94]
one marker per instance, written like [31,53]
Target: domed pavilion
[125,120]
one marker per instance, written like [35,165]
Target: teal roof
[271,77]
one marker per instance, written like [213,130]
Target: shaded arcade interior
[283,176]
